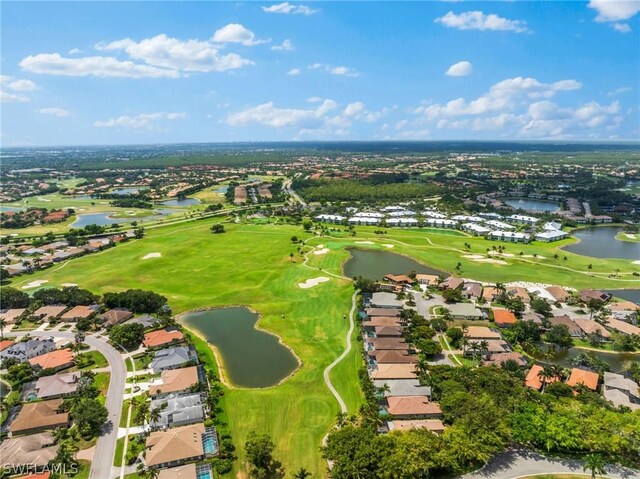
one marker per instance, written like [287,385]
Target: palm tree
[484,346]
[545,374]
[66,455]
[3,324]
[595,464]
[79,337]
[465,342]
[475,347]
[154,415]
[302,474]
[341,419]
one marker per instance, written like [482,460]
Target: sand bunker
[35,284]
[489,260]
[152,255]
[310,283]
[45,200]
[473,256]
[531,256]
[388,245]
[636,262]
[69,285]
[321,251]
[365,242]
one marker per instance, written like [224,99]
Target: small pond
[125,191]
[182,202]
[100,219]
[600,242]
[373,264]
[531,205]
[619,362]
[252,358]
[12,208]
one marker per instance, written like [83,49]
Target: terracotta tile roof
[412,406]
[188,471]
[378,321]
[53,359]
[502,316]
[558,293]
[533,380]
[622,326]
[394,357]
[399,278]
[389,343]
[433,425]
[34,450]
[590,327]
[78,312]
[394,371]
[5,343]
[481,332]
[178,444]
[587,378]
[39,415]
[48,312]
[10,315]
[174,380]
[162,336]
[371,312]
[115,316]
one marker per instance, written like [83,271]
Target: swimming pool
[210,441]
[203,471]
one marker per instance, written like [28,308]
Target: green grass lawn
[94,360]
[250,265]
[101,382]
[84,468]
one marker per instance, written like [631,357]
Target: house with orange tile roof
[428,279]
[481,332]
[162,337]
[434,425]
[559,294]
[533,379]
[78,312]
[504,318]
[58,359]
[175,381]
[412,407]
[5,343]
[588,379]
[400,279]
[490,293]
[394,371]
[622,326]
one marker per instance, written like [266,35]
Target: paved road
[287,186]
[517,463]
[106,445]
[343,406]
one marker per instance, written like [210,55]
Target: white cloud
[179,55]
[75,51]
[615,10]
[460,69]
[6,97]
[287,8]
[236,33]
[59,112]
[334,70]
[618,91]
[141,121]
[478,20]
[286,45]
[621,27]
[55,64]
[354,109]
[19,86]
[293,72]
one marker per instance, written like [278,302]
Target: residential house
[146,321]
[389,312]
[25,350]
[427,279]
[56,360]
[399,279]
[380,321]
[115,316]
[590,327]
[393,371]
[492,346]
[39,416]
[490,293]
[434,425]
[48,313]
[451,283]
[392,356]
[176,381]
[621,391]
[187,471]
[504,318]
[472,290]
[6,343]
[79,312]
[51,387]
[481,332]
[384,300]
[588,294]
[175,446]
[510,236]
[521,293]
[534,317]
[574,329]
[624,311]
[162,337]
[388,331]
[498,359]
[179,410]
[172,358]
[622,326]
[535,381]
[35,450]
[402,387]
[11,316]
[377,344]
[588,379]
[465,311]
[408,407]
[551,235]
[523,219]
[560,295]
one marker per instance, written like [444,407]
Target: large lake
[182,202]
[100,219]
[600,242]
[373,264]
[534,206]
[252,358]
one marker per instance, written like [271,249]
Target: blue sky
[124,72]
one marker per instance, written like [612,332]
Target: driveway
[106,445]
[521,462]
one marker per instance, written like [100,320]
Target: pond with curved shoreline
[251,358]
[374,264]
[531,205]
[601,242]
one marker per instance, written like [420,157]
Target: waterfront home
[427,279]
[497,359]
[162,337]
[434,425]
[504,318]
[402,387]
[175,446]
[115,316]
[621,391]
[451,283]
[11,316]
[39,416]
[56,360]
[622,326]
[393,371]
[35,450]
[590,327]
[574,329]
[176,381]
[624,311]
[481,332]
[179,410]
[399,279]
[385,301]
[412,407]
[583,377]
[146,321]
[523,219]
[54,386]
[48,313]
[172,358]
[25,350]
[510,236]
[535,381]
[588,294]
[492,346]
[79,312]
[551,235]
[465,311]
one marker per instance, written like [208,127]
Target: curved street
[101,466]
